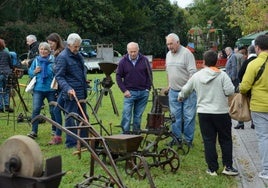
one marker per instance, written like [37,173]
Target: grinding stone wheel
[27,151]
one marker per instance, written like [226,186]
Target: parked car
[105,53]
[86,49]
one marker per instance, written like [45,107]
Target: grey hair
[45,45]
[174,36]
[251,49]
[229,49]
[31,37]
[133,44]
[73,38]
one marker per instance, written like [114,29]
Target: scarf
[44,62]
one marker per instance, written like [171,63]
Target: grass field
[192,169]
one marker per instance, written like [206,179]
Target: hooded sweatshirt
[212,87]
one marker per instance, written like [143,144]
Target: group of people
[189,91]
[206,92]
[213,86]
[237,61]
[66,65]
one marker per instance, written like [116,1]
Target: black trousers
[213,126]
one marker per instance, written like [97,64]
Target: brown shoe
[55,140]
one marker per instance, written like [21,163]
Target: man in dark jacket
[33,51]
[251,56]
[134,80]
[71,77]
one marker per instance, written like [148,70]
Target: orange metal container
[160,64]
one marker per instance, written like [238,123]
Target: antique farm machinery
[21,165]
[140,150]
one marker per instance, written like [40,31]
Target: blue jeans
[260,120]
[3,81]
[71,106]
[184,113]
[38,101]
[58,113]
[134,105]
[4,97]
[4,92]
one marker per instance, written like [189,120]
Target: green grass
[190,174]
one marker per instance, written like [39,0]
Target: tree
[249,15]
[196,16]
[14,33]
[103,21]
[94,18]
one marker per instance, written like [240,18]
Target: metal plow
[114,178]
[100,151]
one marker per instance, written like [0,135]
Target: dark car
[87,49]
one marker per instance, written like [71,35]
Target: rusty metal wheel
[169,159]
[179,146]
[135,167]
[22,156]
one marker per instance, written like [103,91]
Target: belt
[175,90]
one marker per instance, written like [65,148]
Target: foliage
[190,174]
[95,18]
[103,21]
[119,22]
[250,15]
[198,17]
[14,33]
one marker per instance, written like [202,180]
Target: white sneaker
[263,175]
[214,173]
[230,171]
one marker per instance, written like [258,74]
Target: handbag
[30,86]
[54,84]
[239,103]
[239,108]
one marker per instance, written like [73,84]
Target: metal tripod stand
[107,83]
[108,68]
[13,83]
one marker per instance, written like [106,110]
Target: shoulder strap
[260,71]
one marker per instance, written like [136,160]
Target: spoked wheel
[179,146]
[169,159]
[136,167]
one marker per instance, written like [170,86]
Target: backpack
[14,59]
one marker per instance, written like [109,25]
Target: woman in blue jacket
[42,68]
